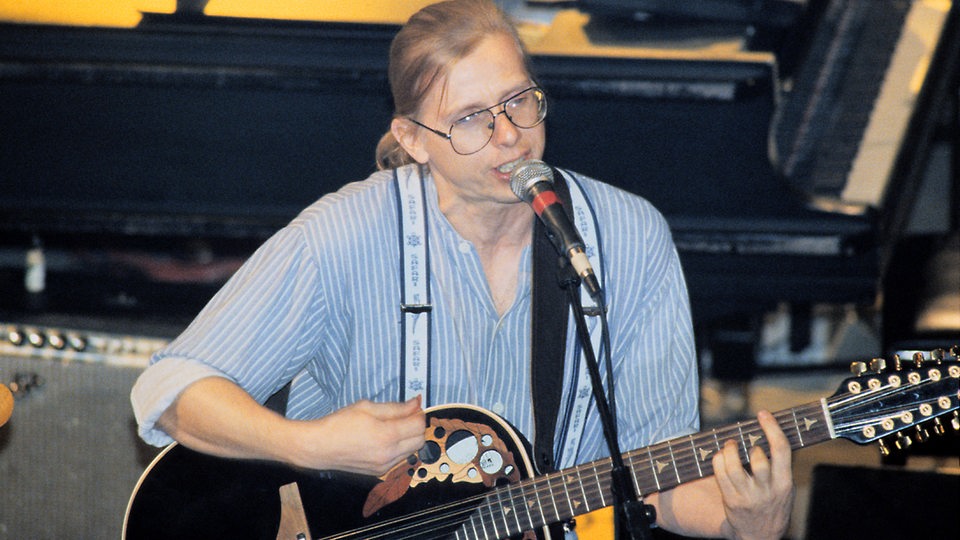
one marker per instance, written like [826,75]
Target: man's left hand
[757,503]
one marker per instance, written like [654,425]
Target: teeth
[508,167]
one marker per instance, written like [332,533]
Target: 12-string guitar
[474,480]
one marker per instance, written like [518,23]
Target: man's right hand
[365,437]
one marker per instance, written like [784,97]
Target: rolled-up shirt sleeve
[258,331]
[158,387]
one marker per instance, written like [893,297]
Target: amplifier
[69,454]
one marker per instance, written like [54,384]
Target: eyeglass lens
[525,110]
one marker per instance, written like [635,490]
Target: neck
[491,225]
[499,233]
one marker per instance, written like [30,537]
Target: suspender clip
[594,311]
[416,308]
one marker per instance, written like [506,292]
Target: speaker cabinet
[69,456]
[881,503]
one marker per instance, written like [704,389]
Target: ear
[408,135]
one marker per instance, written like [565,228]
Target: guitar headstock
[905,402]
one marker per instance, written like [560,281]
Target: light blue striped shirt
[318,303]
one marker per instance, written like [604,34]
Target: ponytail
[390,154]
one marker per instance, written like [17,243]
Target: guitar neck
[561,495]
[668,464]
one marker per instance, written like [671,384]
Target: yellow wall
[127,12]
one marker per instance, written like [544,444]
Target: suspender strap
[415,303]
[580,398]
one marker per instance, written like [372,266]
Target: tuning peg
[878,364]
[884,449]
[921,435]
[937,355]
[955,351]
[938,427]
[858,368]
[897,365]
[918,359]
[955,421]
[901,442]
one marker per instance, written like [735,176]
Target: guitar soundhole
[429,453]
[491,462]
[462,447]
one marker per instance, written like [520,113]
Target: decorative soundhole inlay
[454,449]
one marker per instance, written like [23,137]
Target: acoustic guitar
[473,479]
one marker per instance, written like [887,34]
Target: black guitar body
[185,494]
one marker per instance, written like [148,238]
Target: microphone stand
[634,519]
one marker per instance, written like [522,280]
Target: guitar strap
[549,330]
[550,313]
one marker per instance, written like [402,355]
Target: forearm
[215,416]
[693,509]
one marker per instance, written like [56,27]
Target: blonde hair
[434,38]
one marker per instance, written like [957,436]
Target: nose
[505,133]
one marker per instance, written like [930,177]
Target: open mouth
[507,168]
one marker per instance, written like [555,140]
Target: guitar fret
[653,469]
[553,498]
[517,504]
[583,491]
[484,520]
[568,497]
[638,489]
[693,449]
[796,426]
[673,460]
[524,504]
[473,525]
[743,443]
[539,504]
[494,517]
[511,510]
[596,475]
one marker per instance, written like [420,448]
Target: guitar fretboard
[562,495]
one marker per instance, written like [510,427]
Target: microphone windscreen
[526,174]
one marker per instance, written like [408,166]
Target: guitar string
[590,490]
[684,466]
[858,422]
[835,403]
[689,465]
[488,514]
[867,418]
[593,489]
[890,389]
[786,419]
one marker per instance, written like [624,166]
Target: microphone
[532,182]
